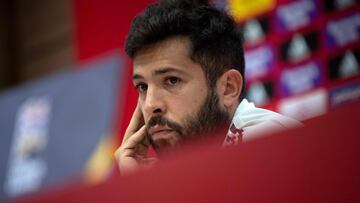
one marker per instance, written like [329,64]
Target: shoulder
[257,122]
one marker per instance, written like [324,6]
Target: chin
[165,142]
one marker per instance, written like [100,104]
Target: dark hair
[215,38]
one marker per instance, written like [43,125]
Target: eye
[141,87]
[172,80]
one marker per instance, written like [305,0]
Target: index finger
[136,122]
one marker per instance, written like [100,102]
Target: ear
[229,87]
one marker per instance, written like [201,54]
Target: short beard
[210,117]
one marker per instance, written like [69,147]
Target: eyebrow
[137,76]
[160,72]
[167,70]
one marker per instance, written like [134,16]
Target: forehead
[173,52]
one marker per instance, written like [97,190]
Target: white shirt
[250,122]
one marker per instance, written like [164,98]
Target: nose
[154,103]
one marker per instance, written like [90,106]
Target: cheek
[199,97]
[187,105]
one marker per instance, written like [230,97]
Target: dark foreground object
[320,162]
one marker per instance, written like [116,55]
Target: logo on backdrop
[302,78]
[255,30]
[335,5]
[295,15]
[344,66]
[345,94]
[260,93]
[299,47]
[259,62]
[343,31]
[306,106]
[27,167]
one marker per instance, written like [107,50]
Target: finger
[135,139]
[136,120]
[135,123]
[132,143]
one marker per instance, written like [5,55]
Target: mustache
[161,121]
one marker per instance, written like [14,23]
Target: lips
[163,139]
[159,131]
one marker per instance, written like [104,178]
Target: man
[189,72]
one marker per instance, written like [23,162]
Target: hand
[134,148]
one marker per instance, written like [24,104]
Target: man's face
[173,94]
